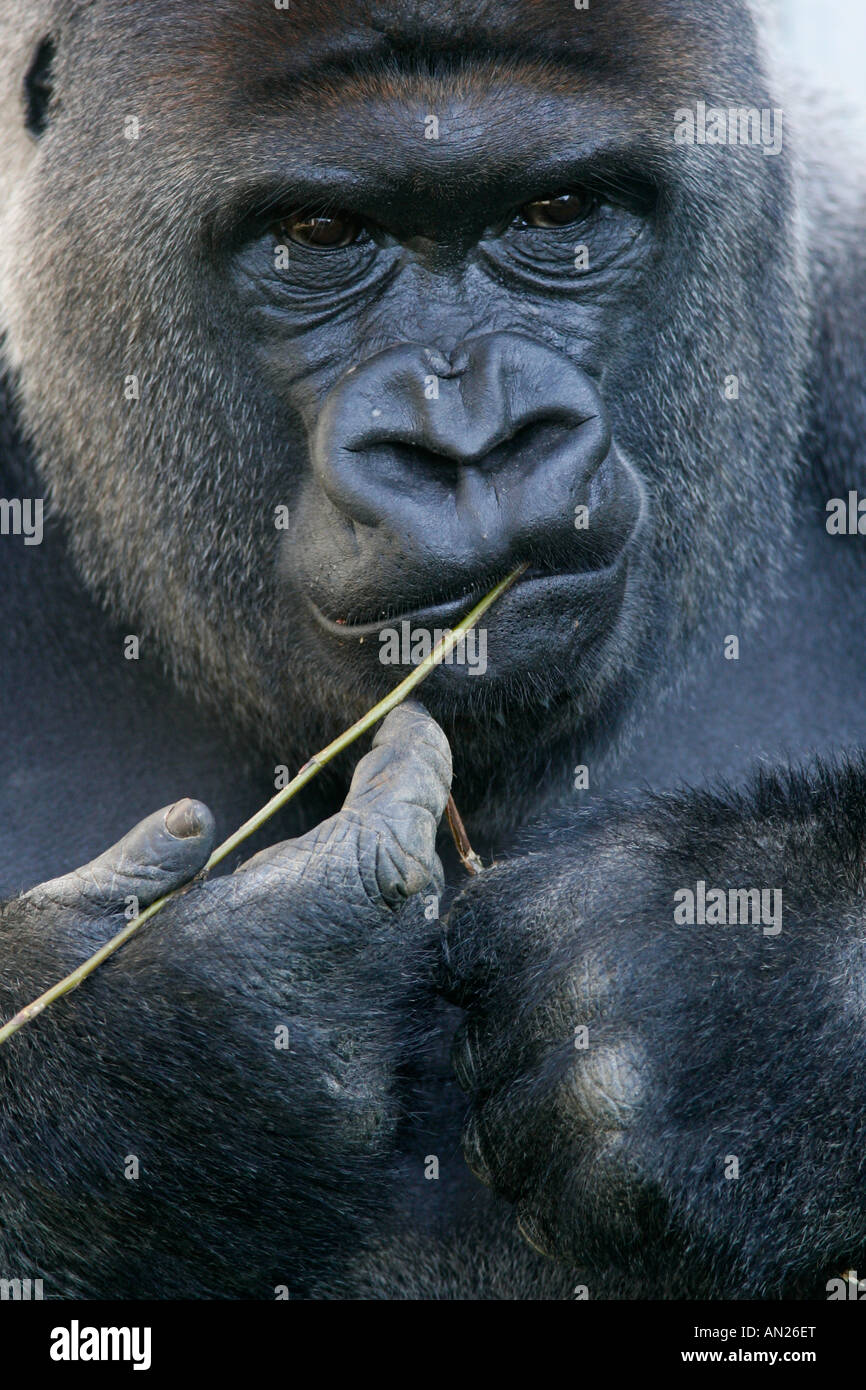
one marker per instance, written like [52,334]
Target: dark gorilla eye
[319,231]
[39,87]
[556,212]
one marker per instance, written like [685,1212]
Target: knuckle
[43,897]
[607,1087]
[407,841]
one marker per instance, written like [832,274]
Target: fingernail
[182,819]
[532,1234]
[472,1150]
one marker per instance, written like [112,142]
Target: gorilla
[318,320]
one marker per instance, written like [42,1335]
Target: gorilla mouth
[447,612]
[563,609]
[340,628]
[461,603]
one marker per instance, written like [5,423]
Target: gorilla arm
[252,1154]
[675,1107]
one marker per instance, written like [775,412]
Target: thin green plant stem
[442,649]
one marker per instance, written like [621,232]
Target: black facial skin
[429,386]
[412,499]
[467,424]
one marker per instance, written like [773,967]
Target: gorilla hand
[248,1087]
[672,1107]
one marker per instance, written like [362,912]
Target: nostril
[533,439]
[417,461]
[523,449]
[527,445]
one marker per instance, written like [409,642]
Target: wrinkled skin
[253,461]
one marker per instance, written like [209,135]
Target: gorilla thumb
[161,853]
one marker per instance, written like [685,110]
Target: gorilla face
[448,430]
[433,285]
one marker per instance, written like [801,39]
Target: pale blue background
[826,38]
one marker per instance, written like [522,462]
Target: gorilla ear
[39,87]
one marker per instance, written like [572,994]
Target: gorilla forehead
[289,86]
[253,46]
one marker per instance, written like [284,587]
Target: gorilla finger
[360,861]
[469,964]
[409,763]
[544,1046]
[381,847]
[486,1155]
[495,934]
[161,853]
[480,1052]
[474,1151]
[464,1055]
[402,861]
[517,1135]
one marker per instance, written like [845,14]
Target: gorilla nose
[474,456]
